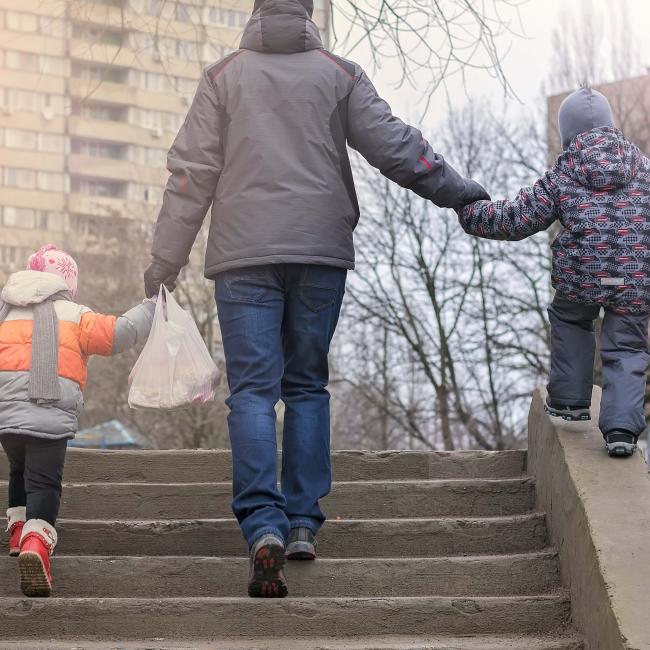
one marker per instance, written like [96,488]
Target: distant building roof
[109,435]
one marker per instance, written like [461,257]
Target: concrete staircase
[437,551]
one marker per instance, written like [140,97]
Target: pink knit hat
[51,259]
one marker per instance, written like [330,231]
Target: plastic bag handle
[163,296]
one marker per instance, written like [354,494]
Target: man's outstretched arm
[195,162]
[401,153]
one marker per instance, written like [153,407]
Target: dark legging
[35,474]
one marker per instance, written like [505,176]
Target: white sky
[526,63]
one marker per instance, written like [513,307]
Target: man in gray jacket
[265,143]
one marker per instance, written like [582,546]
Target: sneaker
[36,546]
[620,443]
[266,578]
[568,412]
[15,523]
[301,544]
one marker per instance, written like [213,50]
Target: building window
[186,86]
[24,179]
[101,188]
[213,52]
[54,65]
[97,111]
[28,62]
[23,61]
[9,256]
[98,149]
[51,143]
[228,17]
[33,141]
[26,218]
[88,72]
[149,157]
[50,182]
[159,8]
[97,35]
[20,139]
[142,41]
[187,50]
[184,13]
[20,22]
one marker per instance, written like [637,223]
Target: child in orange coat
[45,342]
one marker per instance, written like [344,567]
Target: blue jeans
[624,355]
[277,322]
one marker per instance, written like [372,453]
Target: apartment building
[92,94]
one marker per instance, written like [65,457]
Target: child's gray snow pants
[624,354]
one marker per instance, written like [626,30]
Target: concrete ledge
[598,511]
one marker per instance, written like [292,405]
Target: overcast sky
[526,61]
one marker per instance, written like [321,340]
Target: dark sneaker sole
[34,582]
[303,551]
[620,449]
[268,578]
[576,415]
[14,552]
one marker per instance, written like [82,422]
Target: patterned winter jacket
[81,333]
[599,190]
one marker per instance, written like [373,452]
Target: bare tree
[456,326]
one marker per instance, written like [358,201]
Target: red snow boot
[15,523]
[36,546]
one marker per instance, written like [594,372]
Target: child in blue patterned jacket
[599,190]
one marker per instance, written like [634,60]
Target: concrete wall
[598,512]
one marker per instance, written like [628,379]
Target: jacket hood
[581,111]
[281,27]
[601,159]
[31,288]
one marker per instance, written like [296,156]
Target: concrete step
[179,577]
[204,466]
[482,642]
[345,538]
[184,618]
[350,500]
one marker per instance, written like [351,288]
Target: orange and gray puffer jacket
[81,333]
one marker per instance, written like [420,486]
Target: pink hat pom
[50,259]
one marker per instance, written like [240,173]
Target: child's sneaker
[266,579]
[620,443]
[301,544]
[36,546]
[15,522]
[568,412]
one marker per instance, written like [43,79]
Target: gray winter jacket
[265,143]
[81,333]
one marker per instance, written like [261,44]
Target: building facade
[92,94]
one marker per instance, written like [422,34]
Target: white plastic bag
[175,369]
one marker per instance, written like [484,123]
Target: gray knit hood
[282,27]
[582,111]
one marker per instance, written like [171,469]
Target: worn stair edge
[567,642]
[202,466]
[345,538]
[184,618]
[374,499]
[160,577]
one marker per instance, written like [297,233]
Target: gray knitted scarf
[44,372]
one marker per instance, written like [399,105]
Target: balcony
[115,170]
[119,132]
[101,206]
